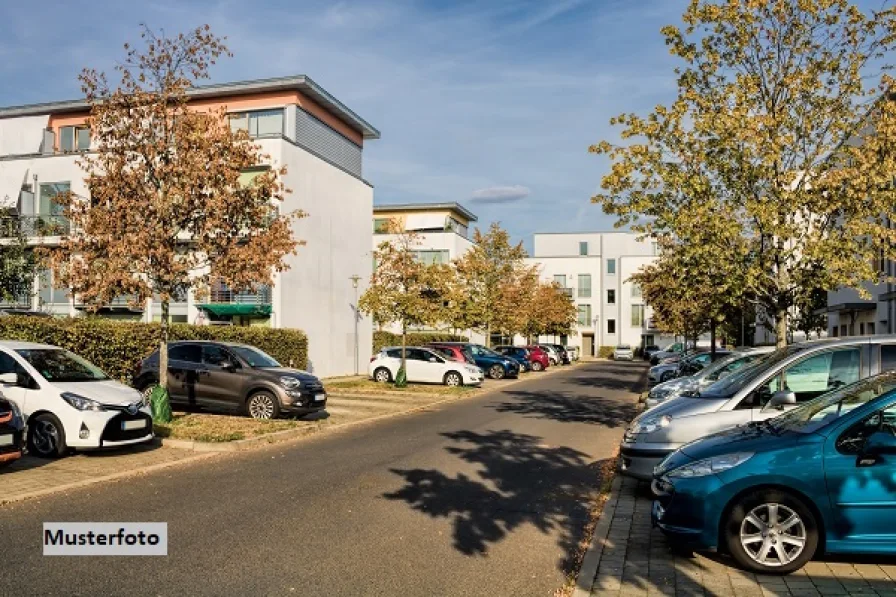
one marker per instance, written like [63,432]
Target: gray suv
[232,377]
[786,377]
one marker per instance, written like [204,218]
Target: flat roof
[451,206]
[297,82]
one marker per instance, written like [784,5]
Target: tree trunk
[404,345]
[781,328]
[488,336]
[712,338]
[163,347]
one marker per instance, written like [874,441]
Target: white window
[260,123]
[74,138]
[584,285]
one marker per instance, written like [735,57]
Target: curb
[588,572]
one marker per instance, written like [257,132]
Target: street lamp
[355,279]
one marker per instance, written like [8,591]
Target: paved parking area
[636,560]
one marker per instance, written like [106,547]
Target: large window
[584,315]
[611,326]
[636,291]
[583,248]
[611,267]
[260,123]
[611,297]
[381,225]
[810,377]
[584,285]
[432,257]
[637,315]
[74,138]
[47,192]
[560,279]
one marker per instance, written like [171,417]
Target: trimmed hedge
[117,347]
[606,352]
[381,339]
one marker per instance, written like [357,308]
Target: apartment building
[443,229]
[848,314]
[297,124]
[594,269]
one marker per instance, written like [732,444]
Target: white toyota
[423,366]
[68,402]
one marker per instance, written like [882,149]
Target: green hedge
[381,339]
[606,352]
[117,347]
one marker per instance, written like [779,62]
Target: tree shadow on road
[568,408]
[521,481]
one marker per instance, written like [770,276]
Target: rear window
[189,353]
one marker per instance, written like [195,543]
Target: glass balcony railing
[31,226]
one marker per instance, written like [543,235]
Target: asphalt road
[485,496]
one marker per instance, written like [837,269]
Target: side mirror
[878,444]
[779,399]
[9,379]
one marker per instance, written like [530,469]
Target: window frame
[611,296]
[611,323]
[611,265]
[583,248]
[76,130]
[584,290]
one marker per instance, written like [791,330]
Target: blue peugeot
[773,493]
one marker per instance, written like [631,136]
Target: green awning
[237,309]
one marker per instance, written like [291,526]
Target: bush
[117,347]
[606,352]
[381,339]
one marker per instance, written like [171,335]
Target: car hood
[683,406]
[277,372]
[663,367]
[105,392]
[752,437]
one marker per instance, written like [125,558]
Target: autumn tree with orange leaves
[167,211]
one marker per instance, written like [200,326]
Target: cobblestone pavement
[636,560]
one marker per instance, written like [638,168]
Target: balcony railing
[21,299]
[227,296]
[31,226]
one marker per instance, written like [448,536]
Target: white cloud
[500,194]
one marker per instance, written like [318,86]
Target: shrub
[381,339]
[606,352]
[117,347]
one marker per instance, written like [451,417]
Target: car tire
[46,437]
[453,379]
[536,366]
[262,405]
[382,375]
[755,544]
[146,391]
[496,372]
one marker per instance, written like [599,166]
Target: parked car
[12,431]
[788,376]
[518,354]
[777,492]
[670,367]
[573,352]
[495,365]
[671,350]
[538,358]
[69,403]
[694,364]
[706,376]
[553,355]
[454,352]
[228,377]
[623,352]
[649,351]
[562,355]
[424,365]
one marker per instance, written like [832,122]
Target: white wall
[455,244]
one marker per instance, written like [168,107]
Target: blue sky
[492,104]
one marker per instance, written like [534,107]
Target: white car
[423,366]
[573,352]
[623,352]
[553,355]
[68,402]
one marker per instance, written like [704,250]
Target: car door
[24,393]
[221,381]
[862,490]
[417,365]
[434,366]
[184,364]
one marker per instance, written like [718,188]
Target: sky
[490,104]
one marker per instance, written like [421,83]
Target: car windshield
[728,364]
[623,347]
[256,358]
[56,364]
[728,386]
[825,409]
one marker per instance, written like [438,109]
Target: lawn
[224,428]
[368,386]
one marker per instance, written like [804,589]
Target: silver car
[706,376]
[623,352]
[788,376]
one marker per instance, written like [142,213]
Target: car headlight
[82,403]
[709,466]
[651,424]
[290,383]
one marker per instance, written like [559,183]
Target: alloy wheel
[773,535]
[261,406]
[46,437]
[452,379]
[382,376]
[496,372]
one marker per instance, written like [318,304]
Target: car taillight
[373,358]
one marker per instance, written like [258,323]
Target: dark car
[564,355]
[12,432]
[232,377]
[649,351]
[693,364]
[495,365]
[518,354]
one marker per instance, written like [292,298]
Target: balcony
[224,302]
[34,226]
[20,299]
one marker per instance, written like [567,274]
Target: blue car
[518,354]
[495,365]
[821,477]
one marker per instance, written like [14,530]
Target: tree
[783,133]
[405,290]
[167,211]
[550,312]
[485,272]
[18,266]
[810,316]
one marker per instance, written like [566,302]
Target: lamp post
[355,279]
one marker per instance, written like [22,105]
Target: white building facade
[594,268]
[297,124]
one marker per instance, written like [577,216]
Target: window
[432,257]
[888,357]
[74,138]
[260,123]
[458,227]
[835,331]
[561,280]
[584,285]
[811,377]
[843,331]
[584,315]
[636,291]
[48,191]
[382,225]
[611,297]
[247,176]
[583,248]
[862,329]
[611,326]
[611,267]
[853,439]
[190,353]
[869,328]
[215,355]
[637,316]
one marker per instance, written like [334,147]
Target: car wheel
[536,366]
[496,372]
[263,405]
[146,392]
[382,375]
[771,532]
[453,379]
[46,437]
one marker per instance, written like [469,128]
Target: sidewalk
[636,560]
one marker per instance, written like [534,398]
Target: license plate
[138,424]
[320,397]
[6,440]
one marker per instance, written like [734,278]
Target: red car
[453,352]
[539,358]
